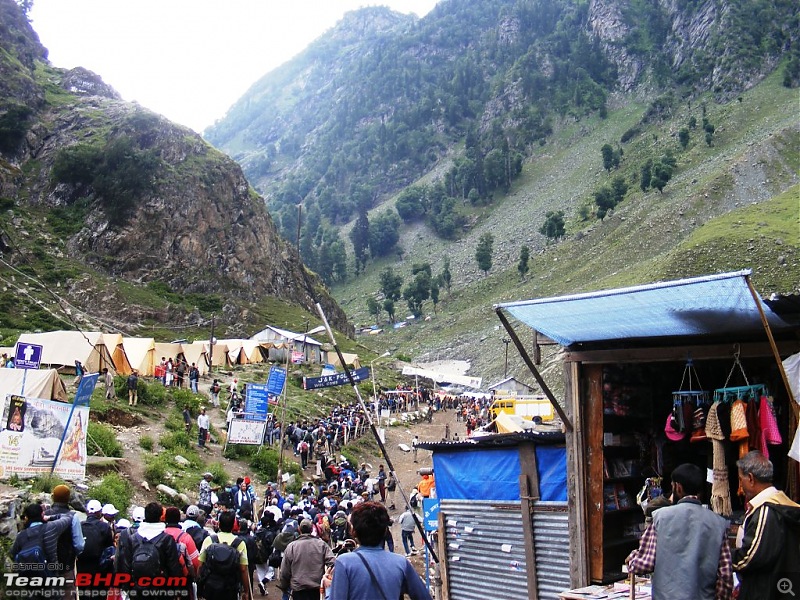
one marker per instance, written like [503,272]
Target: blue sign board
[255,404]
[276,381]
[430,514]
[27,356]
[85,389]
[315,383]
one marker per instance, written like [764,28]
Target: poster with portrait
[32,430]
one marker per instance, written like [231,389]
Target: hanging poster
[245,431]
[315,383]
[32,429]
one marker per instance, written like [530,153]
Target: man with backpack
[194,527]
[34,550]
[187,551]
[149,553]
[224,565]
[70,541]
[304,564]
[97,536]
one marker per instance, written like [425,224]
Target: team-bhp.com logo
[19,585]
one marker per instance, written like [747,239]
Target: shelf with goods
[621,440]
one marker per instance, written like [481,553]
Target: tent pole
[772,344]
[375,431]
[529,363]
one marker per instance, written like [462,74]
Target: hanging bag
[689,407]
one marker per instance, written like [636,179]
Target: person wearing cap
[70,542]
[304,564]
[370,572]
[204,499]
[137,516]
[110,513]
[686,545]
[192,526]
[97,536]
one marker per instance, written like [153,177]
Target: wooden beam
[576,479]
[529,493]
[678,353]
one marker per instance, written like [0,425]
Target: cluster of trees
[423,286]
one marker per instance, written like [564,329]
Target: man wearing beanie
[70,542]
[304,564]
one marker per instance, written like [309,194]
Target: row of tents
[121,355]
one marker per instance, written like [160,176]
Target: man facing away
[686,545]
[304,564]
[768,545]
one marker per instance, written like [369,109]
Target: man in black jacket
[132,557]
[767,558]
[70,542]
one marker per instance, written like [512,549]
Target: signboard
[85,389]
[298,357]
[246,431]
[256,400]
[276,380]
[31,430]
[27,356]
[430,514]
[315,383]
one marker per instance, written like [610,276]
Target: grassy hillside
[730,205]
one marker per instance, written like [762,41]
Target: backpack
[97,537]
[31,549]
[225,498]
[264,540]
[199,534]
[220,573]
[145,557]
[183,555]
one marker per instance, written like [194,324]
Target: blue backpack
[31,549]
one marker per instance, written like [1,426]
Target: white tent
[141,354]
[63,348]
[44,383]
[235,354]
[197,353]
[167,350]
[113,342]
[350,359]
[252,351]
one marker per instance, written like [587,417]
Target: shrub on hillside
[114,489]
[102,441]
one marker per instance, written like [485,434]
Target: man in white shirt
[203,425]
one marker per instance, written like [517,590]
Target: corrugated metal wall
[485,556]
[551,540]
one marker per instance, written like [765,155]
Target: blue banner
[85,389]
[315,383]
[256,401]
[276,380]
[430,513]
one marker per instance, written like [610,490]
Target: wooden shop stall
[644,368]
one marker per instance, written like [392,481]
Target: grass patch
[146,443]
[45,483]
[102,441]
[114,489]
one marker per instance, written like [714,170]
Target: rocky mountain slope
[136,220]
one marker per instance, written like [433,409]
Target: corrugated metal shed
[714,304]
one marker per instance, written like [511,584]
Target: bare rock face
[83,82]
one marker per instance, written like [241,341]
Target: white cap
[110,510]
[138,514]
[123,524]
[94,506]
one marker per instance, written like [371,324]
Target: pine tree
[483,252]
[522,265]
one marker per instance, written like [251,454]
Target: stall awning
[709,305]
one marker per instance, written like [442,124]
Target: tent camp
[350,359]
[113,341]
[63,348]
[251,350]
[43,383]
[235,354]
[197,353]
[275,339]
[141,354]
[167,350]
[219,356]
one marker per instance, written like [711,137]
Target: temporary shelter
[42,383]
[511,386]
[277,341]
[167,350]
[141,353]
[219,356]
[502,515]
[197,353]
[116,348]
[350,359]
[626,356]
[63,348]
[251,351]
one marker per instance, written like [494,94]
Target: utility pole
[506,341]
[211,345]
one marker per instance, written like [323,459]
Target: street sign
[430,514]
[256,401]
[27,356]
[276,381]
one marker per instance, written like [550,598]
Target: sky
[189,60]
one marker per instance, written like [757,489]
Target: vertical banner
[255,405]
[276,380]
[74,427]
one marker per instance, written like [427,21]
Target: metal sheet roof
[713,304]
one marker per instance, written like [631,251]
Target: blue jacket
[393,573]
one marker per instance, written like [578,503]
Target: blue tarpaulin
[493,473]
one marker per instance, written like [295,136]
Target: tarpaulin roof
[709,305]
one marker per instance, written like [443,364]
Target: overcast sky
[189,60]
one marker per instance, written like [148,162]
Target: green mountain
[621,142]
[116,219]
